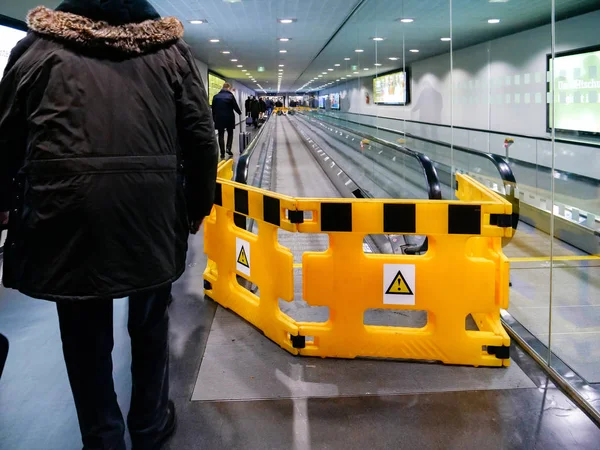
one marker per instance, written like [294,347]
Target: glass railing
[492,170]
[577,191]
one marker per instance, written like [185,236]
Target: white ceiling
[250,31]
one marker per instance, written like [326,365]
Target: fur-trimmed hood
[134,38]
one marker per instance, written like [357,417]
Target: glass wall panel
[472,86]
[575,121]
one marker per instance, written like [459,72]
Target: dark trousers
[87,335]
[222,140]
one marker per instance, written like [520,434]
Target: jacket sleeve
[197,140]
[13,125]
[236,107]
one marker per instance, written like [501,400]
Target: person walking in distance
[269,104]
[224,106]
[108,161]
[255,111]
[247,104]
[262,107]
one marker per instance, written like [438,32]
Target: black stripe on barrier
[336,217]
[399,218]
[272,210]
[241,201]
[296,216]
[219,194]
[501,220]
[464,219]
[500,352]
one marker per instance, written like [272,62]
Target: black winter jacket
[255,108]
[223,106]
[99,125]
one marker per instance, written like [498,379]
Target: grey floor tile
[241,364]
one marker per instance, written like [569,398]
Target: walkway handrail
[241,168]
[562,140]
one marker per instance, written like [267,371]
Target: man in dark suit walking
[224,105]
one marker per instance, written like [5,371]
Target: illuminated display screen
[8,39]
[335,101]
[576,92]
[391,89]
[323,101]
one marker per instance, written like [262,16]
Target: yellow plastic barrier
[463,273]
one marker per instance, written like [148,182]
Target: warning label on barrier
[242,250]
[399,286]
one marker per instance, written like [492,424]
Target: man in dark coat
[247,105]
[103,114]
[255,111]
[224,106]
[262,107]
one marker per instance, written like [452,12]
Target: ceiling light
[286,21]
[320,76]
[323,73]
[407,20]
[365,68]
[226,52]
[214,41]
[198,22]
[378,39]
[343,78]
[240,66]
[355,73]
[494,21]
[244,70]
[337,79]
[445,39]
[330,70]
[284,39]
[414,50]
[347,59]
[337,65]
[281,65]
[359,50]
[378,65]
[282,51]
[234,60]
[281,70]
[393,58]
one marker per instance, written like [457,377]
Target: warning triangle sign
[243,259]
[399,286]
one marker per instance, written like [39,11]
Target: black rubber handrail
[434,188]
[506,174]
[241,167]
[562,140]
